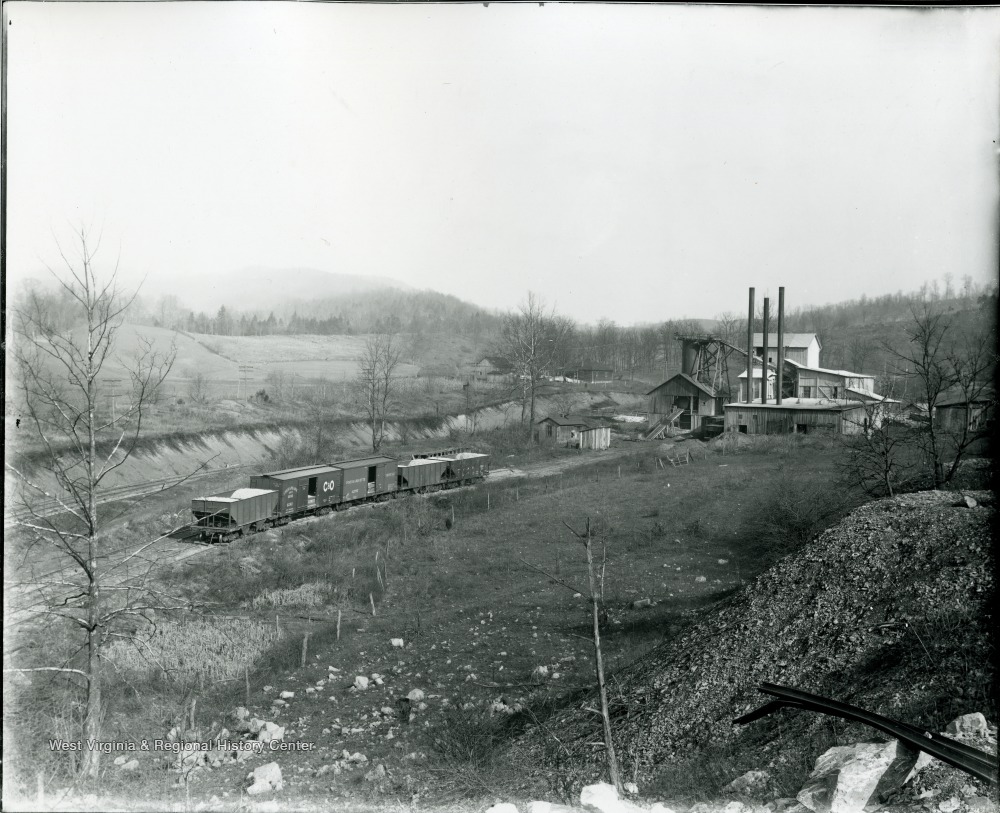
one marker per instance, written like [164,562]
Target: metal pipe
[763,354]
[750,350]
[781,342]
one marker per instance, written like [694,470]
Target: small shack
[965,413]
[573,432]
[491,368]
[683,401]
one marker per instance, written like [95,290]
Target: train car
[234,513]
[420,474]
[368,478]
[304,490]
[465,467]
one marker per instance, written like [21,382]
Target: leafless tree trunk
[530,341]
[377,383]
[59,368]
[944,362]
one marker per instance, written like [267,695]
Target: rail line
[957,754]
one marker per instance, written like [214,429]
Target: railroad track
[51,507]
[957,754]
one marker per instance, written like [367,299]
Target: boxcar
[234,512]
[303,490]
[367,478]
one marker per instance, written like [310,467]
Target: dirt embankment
[179,455]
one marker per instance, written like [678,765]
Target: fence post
[277,625]
[338,623]
[371,598]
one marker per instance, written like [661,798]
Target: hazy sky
[633,162]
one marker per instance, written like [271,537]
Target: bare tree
[198,388]
[530,340]
[940,360]
[377,382]
[59,366]
[878,457]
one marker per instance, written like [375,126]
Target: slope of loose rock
[851,616]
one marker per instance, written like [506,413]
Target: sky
[635,163]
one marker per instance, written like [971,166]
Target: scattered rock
[287,695]
[265,778]
[131,765]
[121,760]
[360,683]
[398,643]
[502,807]
[754,784]
[966,502]
[376,773]
[642,603]
[700,579]
[415,695]
[271,732]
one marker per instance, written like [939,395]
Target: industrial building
[572,431]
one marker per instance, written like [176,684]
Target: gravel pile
[837,618]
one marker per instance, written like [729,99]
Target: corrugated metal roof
[295,474]
[791,339]
[814,404]
[363,461]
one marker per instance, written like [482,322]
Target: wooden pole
[194,702]
[338,624]
[371,598]
[305,649]
[277,625]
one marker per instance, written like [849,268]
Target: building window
[836,392]
[548,430]
[807,392]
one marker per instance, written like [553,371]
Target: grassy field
[457,576]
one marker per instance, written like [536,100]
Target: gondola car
[304,490]
[222,517]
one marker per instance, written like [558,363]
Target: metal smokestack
[750,350]
[763,355]
[781,342]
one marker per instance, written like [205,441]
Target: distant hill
[261,289]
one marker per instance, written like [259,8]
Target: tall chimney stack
[763,355]
[781,342]
[750,350]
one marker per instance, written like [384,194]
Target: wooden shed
[569,430]
[959,413]
[684,398]
[797,417]
[597,437]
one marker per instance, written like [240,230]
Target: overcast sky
[630,162]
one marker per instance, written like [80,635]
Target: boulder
[265,778]
[271,732]
[642,603]
[397,643]
[375,774]
[241,713]
[360,683]
[121,760]
[853,778]
[287,695]
[968,725]
[131,765]
[415,695]
[604,798]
